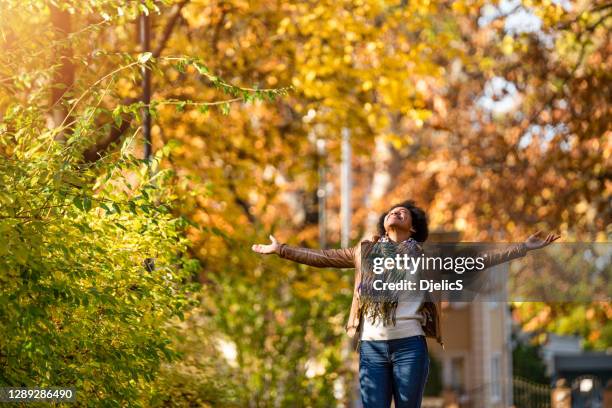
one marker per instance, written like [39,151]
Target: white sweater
[408,323]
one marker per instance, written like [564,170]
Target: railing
[527,394]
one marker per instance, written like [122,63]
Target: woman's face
[398,218]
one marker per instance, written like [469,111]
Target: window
[496,378]
[457,377]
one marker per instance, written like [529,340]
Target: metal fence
[527,394]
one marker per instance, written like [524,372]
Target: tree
[92,269]
[96,266]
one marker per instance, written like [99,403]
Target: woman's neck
[398,235]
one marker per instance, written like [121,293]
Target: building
[585,373]
[477,360]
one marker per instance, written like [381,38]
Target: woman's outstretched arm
[490,257]
[320,258]
[533,242]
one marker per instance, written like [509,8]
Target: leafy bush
[92,265]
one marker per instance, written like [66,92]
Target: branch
[596,9]
[380,19]
[63,77]
[217,30]
[176,13]
[241,203]
[97,151]
[93,154]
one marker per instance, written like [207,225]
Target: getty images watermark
[487,271]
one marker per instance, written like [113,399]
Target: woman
[390,333]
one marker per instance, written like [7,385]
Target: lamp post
[322,191]
[346,186]
[145,44]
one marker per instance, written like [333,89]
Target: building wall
[477,334]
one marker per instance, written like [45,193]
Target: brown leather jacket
[351,258]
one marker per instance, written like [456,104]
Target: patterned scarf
[382,304]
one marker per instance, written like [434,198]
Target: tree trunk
[63,77]
[387,165]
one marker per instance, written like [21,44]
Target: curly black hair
[419,220]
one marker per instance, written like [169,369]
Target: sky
[499,96]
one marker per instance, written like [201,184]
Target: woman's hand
[272,248]
[535,241]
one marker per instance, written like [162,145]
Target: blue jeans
[397,368]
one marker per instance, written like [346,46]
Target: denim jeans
[397,368]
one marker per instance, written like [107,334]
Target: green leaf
[145,56]
[201,68]
[21,254]
[143,9]
[117,118]
[78,203]
[86,203]
[225,108]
